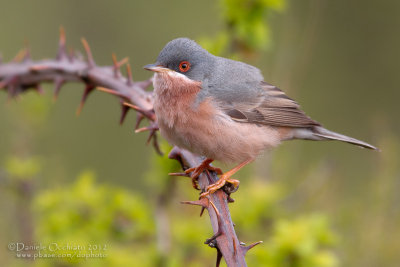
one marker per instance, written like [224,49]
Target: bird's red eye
[184,66]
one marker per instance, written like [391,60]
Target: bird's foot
[226,178]
[196,171]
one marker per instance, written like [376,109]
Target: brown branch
[23,74]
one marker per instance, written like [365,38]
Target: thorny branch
[23,74]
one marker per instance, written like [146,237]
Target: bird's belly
[208,132]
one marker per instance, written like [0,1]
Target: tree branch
[23,74]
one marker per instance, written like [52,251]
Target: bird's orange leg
[225,178]
[196,171]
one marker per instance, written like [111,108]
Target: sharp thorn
[27,55]
[118,64]
[202,202]
[115,65]
[123,61]
[88,89]
[202,211]
[247,248]
[184,174]
[139,118]
[151,135]
[58,83]
[124,111]
[88,53]
[132,106]
[219,258]
[61,45]
[110,91]
[149,114]
[129,81]
[143,129]
[20,56]
[157,146]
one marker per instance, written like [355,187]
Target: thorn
[58,83]
[147,128]
[139,118]
[123,61]
[151,135]
[61,45]
[27,54]
[219,257]
[117,65]
[247,248]
[157,146]
[129,82]
[204,202]
[202,211]
[110,91]
[125,110]
[88,53]
[183,174]
[88,89]
[20,55]
[147,113]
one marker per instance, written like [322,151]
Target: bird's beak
[156,68]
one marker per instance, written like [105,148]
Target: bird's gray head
[184,56]
[220,77]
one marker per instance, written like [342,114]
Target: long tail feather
[329,135]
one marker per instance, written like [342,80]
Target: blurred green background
[85,179]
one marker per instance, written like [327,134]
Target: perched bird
[223,109]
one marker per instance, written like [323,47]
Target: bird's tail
[324,134]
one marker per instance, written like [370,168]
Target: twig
[23,74]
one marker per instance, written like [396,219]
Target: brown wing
[273,108]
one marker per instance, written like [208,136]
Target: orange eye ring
[184,66]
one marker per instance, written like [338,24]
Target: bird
[224,110]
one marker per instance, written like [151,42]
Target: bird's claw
[195,172]
[223,181]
